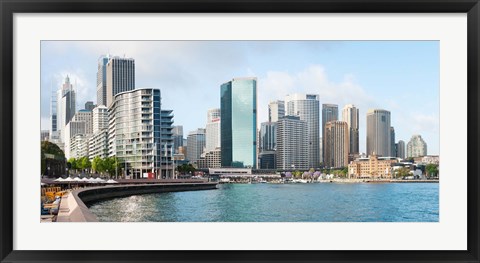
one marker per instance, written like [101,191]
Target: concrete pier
[73,208]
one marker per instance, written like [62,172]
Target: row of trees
[186,169]
[79,164]
[107,165]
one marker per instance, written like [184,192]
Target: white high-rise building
[99,118]
[79,146]
[416,147]
[307,107]
[212,130]
[350,115]
[292,144]
[140,133]
[378,132]
[71,129]
[98,143]
[276,110]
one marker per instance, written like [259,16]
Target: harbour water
[320,202]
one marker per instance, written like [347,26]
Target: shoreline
[73,206]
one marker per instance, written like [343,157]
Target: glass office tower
[238,106]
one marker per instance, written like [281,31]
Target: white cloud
[421,123]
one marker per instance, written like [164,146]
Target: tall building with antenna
[102,80]
[66,106]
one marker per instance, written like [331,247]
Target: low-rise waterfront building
[429,159]
[373,167]
[230,171]
[211,159]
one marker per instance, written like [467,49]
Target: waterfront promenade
[73,208]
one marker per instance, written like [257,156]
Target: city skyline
[337,71]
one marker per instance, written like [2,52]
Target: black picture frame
[10,7]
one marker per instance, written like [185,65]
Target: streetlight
[48,168]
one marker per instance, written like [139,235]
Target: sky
[399,76]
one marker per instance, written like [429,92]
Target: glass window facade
[239,122]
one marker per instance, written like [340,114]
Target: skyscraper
[336,144]
[177,137]
[268,138]
[99,118]
[307,107]
[66,99]
[102,80]
[238,107]
[120,77]
[378,132]
[140,133]
[400,149]
[85,116]
[212,130]
[416,147]
[54,134]
[393,151]
[89,105]
[196,144]
[292,143]
[276,110]
[329,113]
[350,115]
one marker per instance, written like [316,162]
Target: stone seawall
[73,208]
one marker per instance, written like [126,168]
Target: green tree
[85,163]
[431,169]
[97,164]
[186,169]
[72,164]
[402,172]
[297,174]
[109,165]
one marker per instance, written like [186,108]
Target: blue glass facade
[238,106]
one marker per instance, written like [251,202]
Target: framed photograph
[239,131]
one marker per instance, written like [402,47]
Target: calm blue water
[323,202]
